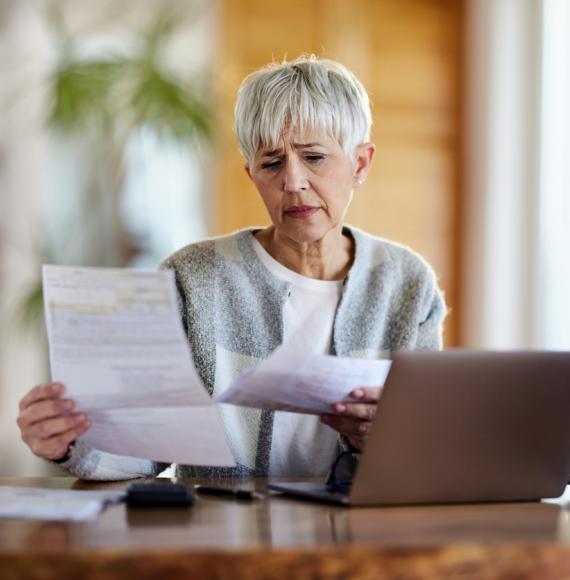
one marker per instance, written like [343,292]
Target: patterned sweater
[231,308]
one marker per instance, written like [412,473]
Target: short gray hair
[308,92]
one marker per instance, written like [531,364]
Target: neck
[329,258]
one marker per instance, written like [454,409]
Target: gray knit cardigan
[231,308]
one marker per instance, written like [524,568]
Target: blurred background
[116,148]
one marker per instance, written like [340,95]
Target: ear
[363,156]
[248,170]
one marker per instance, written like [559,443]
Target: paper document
[117,344]
[295,381]
[54,504]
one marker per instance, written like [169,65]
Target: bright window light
[554,267]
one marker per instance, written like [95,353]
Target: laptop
[462,426]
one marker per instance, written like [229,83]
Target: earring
[360,181]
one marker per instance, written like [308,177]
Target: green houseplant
[106,101]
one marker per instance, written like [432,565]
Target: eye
[271,165]
[314,157]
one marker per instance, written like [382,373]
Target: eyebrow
[273,152]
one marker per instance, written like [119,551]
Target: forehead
[299,139]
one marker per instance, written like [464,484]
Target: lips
[301,211]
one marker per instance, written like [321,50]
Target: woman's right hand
[47,422]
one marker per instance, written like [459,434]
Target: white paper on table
[291,380]
[54,504]
[117,344]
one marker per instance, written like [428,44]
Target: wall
[23,167]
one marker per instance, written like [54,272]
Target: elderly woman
[308,280]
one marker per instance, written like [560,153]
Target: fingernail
[358,393]
[58,388]
[69,404]
[340,408]
[82,417]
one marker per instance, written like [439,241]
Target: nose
[294,176]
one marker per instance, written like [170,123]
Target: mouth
[301,211]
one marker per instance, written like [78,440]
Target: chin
[307,233]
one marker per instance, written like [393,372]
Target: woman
[307,279]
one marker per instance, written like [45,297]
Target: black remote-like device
[159,495]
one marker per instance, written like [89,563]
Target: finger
[357,441]
[44,409]
[50,427]
[44,391]
[366,393]
[347,425]
[57,446]
[357,410]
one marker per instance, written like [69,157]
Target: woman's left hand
[354,420]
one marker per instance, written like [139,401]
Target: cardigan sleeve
[430,331]
[88,463]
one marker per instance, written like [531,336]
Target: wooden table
[280,537]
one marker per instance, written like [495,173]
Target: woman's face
[306,183]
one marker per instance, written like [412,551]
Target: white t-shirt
[302,446]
